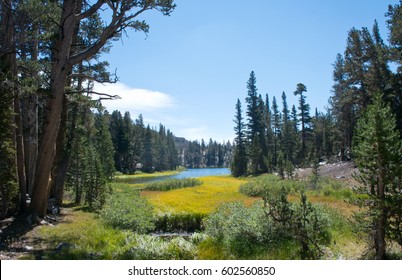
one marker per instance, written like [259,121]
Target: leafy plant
[301,221]
[242,230]
[130,212]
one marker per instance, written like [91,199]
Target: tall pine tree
[378,154]
[239,163]
[305,120]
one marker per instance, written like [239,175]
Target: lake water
[201,172]
[189,173]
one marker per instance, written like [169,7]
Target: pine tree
[304,118]
[287,144]
[394,23]
[343,108]
[239,163]
[117,133]
[269,135]
[104,144]
[126,142]
[378,154]
[252,107]
[148,151]
[276,128]
[256,140]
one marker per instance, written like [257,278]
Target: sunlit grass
[86,237]
[205,198]
[92,239]
[86,234]
[125,177]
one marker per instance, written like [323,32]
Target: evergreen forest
[60,149]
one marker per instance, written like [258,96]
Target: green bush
[277,221]
[328,191]
[242,230]
[171,184]
[310,227]
[266,185]
[128,211]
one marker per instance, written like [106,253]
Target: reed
[172,184]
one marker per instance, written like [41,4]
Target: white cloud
[134,99]
[158,107]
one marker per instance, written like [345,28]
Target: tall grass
[145,247]
[172,184]
[176,222]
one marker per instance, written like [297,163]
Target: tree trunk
[63,153]
[59,73]
[5,113]
[30,118]
[8,44]
[20,154]
[382,216]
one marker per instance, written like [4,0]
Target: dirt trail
[20,240]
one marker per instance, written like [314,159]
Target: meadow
[205,198]
[212,220]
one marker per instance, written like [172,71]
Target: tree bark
[30,116]
[60,69]
[8,74]
[63,153]
[382,216]
[30,124]
[20,154]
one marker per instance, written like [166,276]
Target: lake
[201,172]
[189,173]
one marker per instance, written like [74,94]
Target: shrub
[264,186]
[259,186]
[310,227]
[303,222]
[242,230]
[130,212]
[171,184]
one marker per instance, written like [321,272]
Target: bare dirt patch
[339,170]
[20,240]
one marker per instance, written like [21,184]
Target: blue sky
[188,72]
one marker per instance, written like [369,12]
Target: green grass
[88,238]
[172,184]
[203,199]
[128,177]
[184,208]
